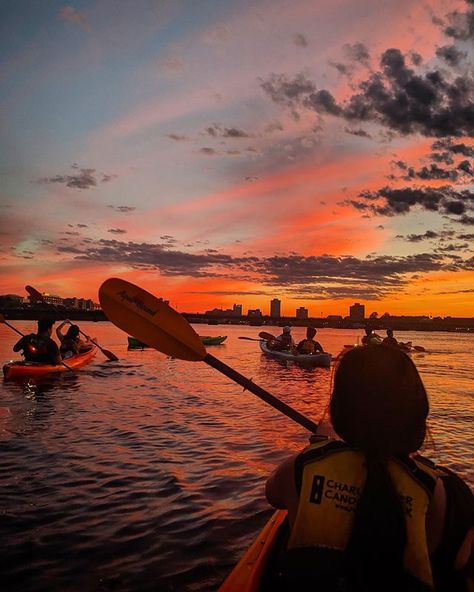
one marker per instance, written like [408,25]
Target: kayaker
[284,341]
[390,339]
[365,513]
[71,343]
[309,345]
[39,347]
[370,338]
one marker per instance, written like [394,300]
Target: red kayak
[31,369]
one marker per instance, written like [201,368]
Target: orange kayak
[248,574]
[31,369]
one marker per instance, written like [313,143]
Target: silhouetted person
[309,345]
[390,339]
[39,347]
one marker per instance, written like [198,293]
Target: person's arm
[280,489]
[54,353]
[59,335]
[318,347]
[20,344]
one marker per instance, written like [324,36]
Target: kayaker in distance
[39,347]
[309,345]
[71,343]
[365,512]
[370,338]
[390,339]
[284,341]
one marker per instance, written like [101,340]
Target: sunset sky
[219,152]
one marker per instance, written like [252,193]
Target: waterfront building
[357,312]
[237,310]
[254,312]
[275,308]
[301,313]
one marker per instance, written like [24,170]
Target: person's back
[284,342]
[390,339]
[364,513]
[39,347]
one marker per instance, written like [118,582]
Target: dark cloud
[435,103]
[178,137]
[415,58]
[208,151]
[450,54]
[415,238]
[391,202]
[117,231]
[83,179]
[123,209]
[460,24]
[357,52]
[300,40]
[447,145]
[216,131]
[357,132]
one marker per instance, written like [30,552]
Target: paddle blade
[266,336]
[35,295]
[150,319]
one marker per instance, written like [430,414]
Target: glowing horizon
[229,153]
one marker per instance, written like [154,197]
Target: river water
[148,473]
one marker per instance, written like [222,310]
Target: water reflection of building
[275,308]
[357,312]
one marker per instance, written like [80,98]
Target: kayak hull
[322,360]
[247,575]
[23,369]
[208,340]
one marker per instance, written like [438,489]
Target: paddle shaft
[250,338]
[261,393]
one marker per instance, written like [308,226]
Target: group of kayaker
[285,342]
[40,348]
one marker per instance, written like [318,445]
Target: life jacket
[36,348]
[307,347]
[330,477]
[69,346]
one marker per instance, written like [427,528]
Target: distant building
[50,299]
[80,304]
[237,310]
[255,312]
[275,308]
[357,312]
[301,313]
[334,317]
[10,300]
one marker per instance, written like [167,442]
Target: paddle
[249,338]
[152,321]
[38,296]
[266,336]
[419,348]
[2,320]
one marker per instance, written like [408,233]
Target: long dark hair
[379,405]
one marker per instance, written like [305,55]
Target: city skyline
[216,152]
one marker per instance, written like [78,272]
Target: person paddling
[365,512]
[390,339]
[284,341]
[370,338]
[39,347]
[71,343]
[309,345]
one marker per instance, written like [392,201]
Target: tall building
[301,313]
[357,312]
[237,310]
[275,308]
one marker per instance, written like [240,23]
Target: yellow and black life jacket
[330,477]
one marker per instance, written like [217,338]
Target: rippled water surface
[148,473]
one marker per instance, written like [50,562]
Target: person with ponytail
[366,513]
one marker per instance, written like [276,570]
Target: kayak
[248,574]
[320,359]
[208,340]
[135,343]
[22,369]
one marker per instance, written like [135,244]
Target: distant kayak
[206,339]
[248,574]
[22,369]
[322,360]
[209,340]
